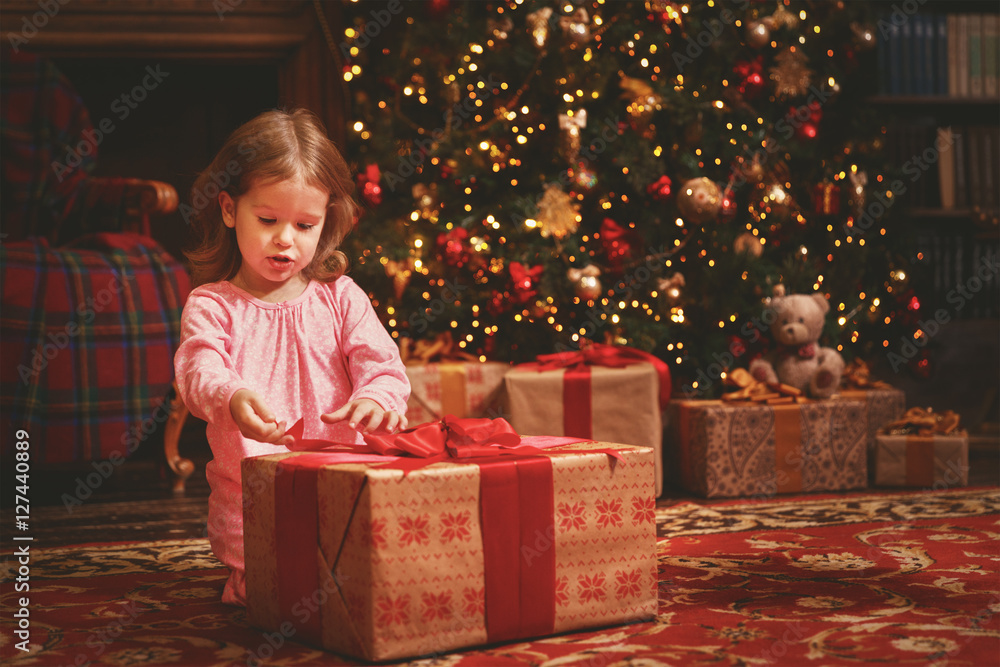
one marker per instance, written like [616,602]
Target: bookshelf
[939,88]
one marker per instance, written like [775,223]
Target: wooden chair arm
[124,204]
[152,197]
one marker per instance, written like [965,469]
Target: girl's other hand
[366,416]
[255,419]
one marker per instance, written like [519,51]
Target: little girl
[276,332]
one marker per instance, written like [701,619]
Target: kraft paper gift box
[922,448]
[938,461]
[459,388]
[445,380]
[740,449]
[883,402]
[607,403]
[382,564]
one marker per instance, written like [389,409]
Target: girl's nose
[284,236]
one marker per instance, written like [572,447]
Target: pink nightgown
[306,357]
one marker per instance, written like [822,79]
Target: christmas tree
[535,175]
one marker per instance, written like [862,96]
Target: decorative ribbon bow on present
[857,375]
[925,422]
[610,356]
[753,390]
[450,439]
[441,348]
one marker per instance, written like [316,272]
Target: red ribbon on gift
[516,506]
[577,418]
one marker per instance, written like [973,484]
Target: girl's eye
[304,227]
[268,221]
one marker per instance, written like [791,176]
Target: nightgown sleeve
[372,357]
[205,373]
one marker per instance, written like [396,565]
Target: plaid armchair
[91,304]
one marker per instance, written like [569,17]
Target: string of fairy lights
[501,135]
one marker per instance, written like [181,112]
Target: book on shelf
[952,55]
[967,157]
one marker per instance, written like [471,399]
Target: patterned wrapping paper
[625,406]
[754,450]
[459,388]
[401,560]
[938,461]
[882,405]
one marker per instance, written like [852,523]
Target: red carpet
[857,579]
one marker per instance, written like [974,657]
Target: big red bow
[451,439]
[611,356]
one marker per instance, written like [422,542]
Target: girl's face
[278,226]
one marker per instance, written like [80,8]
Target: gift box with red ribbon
[448,535]
[444,380]
[759,449]
[601,392]
[922,448]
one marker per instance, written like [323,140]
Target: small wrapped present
[444,380]
[883,402]
[922,448]
[601,392]
[767,439]
[455,534]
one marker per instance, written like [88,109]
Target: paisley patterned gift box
[722,449]
[378,563]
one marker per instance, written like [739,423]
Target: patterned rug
[855,579]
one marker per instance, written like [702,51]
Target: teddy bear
[796,322]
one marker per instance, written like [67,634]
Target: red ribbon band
[516,507]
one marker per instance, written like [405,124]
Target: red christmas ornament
[727,210]
[368,183]
[454,246]
[525,280]
[751,77]
[805,119]
[617,242]
[660,190]
[438,8]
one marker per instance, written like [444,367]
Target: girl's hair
[274,146]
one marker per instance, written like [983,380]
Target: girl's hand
[255,419]
[366,416]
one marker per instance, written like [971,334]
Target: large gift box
[883,402]
[922,448]
[757,449]
[385,558]
[445,381]
[602,392]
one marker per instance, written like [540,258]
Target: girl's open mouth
[279,261]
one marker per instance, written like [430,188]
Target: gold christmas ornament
[758,34]
[671,286]
[771,203]
[791,75]
[586,282]
[781,18]
[749,244]
[538,25]
[570,125]
[500,28]
[576,26]
[400,272]
[425,197]
[643,102]
[558,216]
[699,200]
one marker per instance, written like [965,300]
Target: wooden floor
[135,502]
